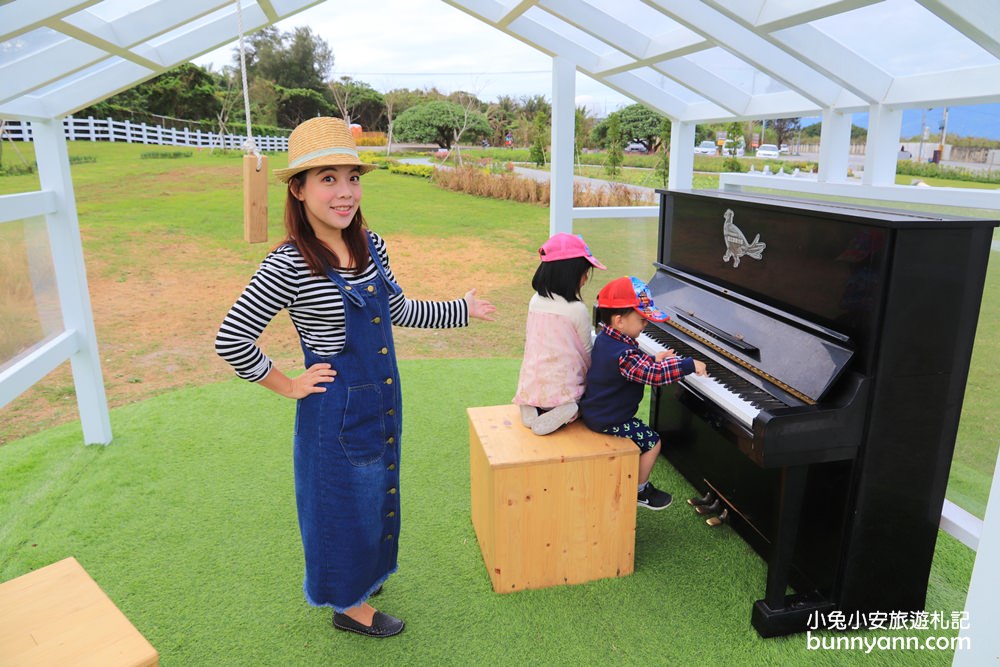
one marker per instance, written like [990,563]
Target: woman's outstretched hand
[479,308]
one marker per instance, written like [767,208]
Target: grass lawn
[187,518]
[188,523]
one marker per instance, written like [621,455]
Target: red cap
[629,292]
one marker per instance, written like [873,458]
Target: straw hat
[321,142]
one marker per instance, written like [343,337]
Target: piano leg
[778,614]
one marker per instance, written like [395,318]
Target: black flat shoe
[383,625]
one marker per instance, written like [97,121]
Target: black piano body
[854,329]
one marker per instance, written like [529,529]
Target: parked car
[636,147]
[783,148]
[768,151]
[728,148]
[706,148]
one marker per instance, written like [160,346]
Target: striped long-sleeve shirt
[316,309]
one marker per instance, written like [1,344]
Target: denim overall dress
[346,454]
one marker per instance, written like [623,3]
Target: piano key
[711,388]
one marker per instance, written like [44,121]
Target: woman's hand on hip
[302,385]
[307,383]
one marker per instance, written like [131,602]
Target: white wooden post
[882,147]
[681,176]
[71,279]
[834,147]
[563,140]
[981,605]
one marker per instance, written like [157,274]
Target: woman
[332,274]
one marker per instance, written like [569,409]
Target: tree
[436,122]
[396,101]
[785,128]
[298,104]
[502,116]
[662,169]
[357,102]
[538,145]
[291,60]
[616,155]
[734,133]
[640,123]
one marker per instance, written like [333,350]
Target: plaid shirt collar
[618,335]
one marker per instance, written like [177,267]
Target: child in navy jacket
[619,372]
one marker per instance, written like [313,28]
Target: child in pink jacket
[559,336]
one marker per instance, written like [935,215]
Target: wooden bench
[58,615]
[554,509]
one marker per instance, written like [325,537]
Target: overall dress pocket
[362,435]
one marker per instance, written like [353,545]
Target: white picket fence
[106,129]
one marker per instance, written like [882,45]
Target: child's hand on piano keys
[700,368]
[665,354]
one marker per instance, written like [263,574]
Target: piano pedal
[706,499]
[716,521]
[714,508]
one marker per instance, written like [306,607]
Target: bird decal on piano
[736,242]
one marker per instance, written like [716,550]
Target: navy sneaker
[654,499]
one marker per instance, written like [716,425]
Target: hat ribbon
[322,153]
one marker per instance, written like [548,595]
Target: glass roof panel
[112,10]
[668,85]
[638,15]
[919,43]
[29,43]
[738,73]
[572,33]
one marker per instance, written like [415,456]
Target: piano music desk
[550,510]
[58,615]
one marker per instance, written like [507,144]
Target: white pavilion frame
[694,61]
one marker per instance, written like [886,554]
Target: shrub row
[515,188]
[932,170]
[165,155]
[422,170]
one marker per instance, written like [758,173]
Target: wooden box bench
[554,509]
[58,615]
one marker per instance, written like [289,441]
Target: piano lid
[777,345]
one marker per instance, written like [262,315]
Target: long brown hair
[318,255]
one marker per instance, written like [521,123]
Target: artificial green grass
[187,521]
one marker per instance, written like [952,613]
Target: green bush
[422,170]
[932,170]
[165,155]
[732,164]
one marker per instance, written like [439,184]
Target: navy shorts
[635,430]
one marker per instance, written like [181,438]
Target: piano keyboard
[737,397]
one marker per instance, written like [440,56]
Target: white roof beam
[971,18]
[104,83]
[603,26]
[108,47]
[778,14]
[707,84]
[834,60]
[514,11]
[540,37]
[673,44]
[21,17]
[46,66]
[655,98]
[751,48]
[969,86]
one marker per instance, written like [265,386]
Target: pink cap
[567,246]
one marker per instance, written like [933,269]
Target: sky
[420,44]
[431,44]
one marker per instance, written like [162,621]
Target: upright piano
[838,341]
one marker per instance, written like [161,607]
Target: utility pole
[944,135]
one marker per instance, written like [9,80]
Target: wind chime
[254,163]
